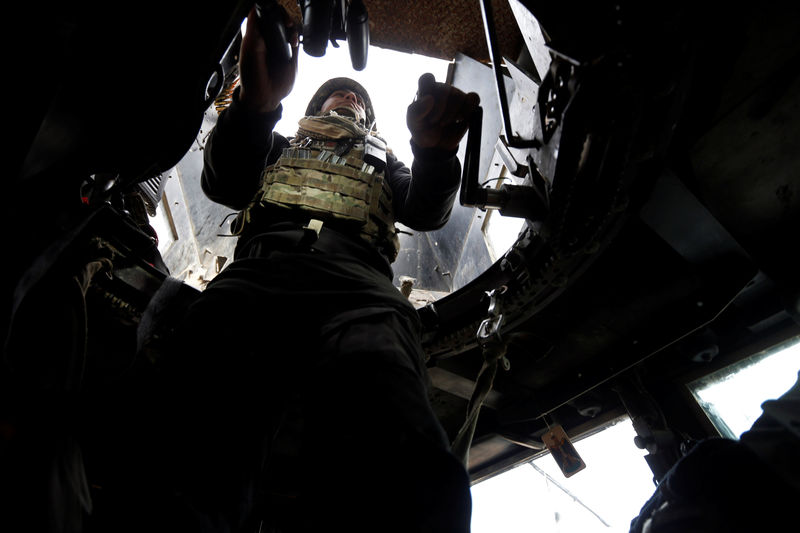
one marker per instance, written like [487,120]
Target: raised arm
[437,119]
[243,141]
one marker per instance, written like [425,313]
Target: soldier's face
[345,101]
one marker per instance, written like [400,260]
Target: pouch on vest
[375,152]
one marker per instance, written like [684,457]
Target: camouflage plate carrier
[330,173]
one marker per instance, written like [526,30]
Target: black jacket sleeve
[422,197]
[236,152]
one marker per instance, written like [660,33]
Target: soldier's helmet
[335,84]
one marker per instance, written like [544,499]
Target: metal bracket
[494,54]
[519,201]
[512,200]
[515,168]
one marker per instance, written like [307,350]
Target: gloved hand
[264,85]
[439,116]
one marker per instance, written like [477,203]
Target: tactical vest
[327,174]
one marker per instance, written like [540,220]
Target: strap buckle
[314,225]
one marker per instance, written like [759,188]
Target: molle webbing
[319,187]
[312,179]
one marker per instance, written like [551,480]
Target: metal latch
[489,330]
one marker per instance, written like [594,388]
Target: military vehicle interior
[648,152]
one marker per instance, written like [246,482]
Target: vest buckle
[314,225]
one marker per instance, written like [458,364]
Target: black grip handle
[270,23]
[471,194]
[317,20]
[358,34]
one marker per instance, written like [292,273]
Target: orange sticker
[563,451]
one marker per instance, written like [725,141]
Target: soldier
[301,363]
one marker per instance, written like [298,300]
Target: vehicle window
[732,397]
[536,496]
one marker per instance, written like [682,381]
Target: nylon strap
[492,354]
